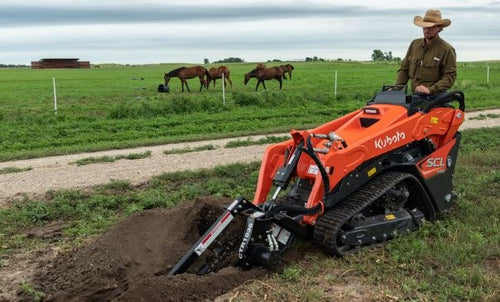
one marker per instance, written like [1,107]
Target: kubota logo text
[382,143]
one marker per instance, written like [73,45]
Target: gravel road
[60,172]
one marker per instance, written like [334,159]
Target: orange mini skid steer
[353,182]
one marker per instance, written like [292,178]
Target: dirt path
[58,172]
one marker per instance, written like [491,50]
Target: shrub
[246,99]
[182,104]
[212,105]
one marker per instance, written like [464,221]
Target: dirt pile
[130,261]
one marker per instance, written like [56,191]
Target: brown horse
[263,74]
[186,73]
[287,68]
[216,73]
[252,73]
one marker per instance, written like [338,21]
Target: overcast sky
[165,31]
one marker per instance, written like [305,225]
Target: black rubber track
[329,224]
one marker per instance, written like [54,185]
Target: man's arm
[402,76]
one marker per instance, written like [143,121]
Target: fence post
[223,91]
[487,74]
[335,86]
[55,94]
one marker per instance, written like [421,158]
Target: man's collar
[433,42]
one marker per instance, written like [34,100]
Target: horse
[185,73]
[263,74]
[287,68]
[252,73]
[216,73]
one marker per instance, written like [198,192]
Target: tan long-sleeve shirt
[433,66]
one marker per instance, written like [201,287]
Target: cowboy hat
[432,17]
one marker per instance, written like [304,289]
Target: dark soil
[130,261]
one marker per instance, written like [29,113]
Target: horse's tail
[225,70]
[208,78]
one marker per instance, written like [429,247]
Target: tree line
[379,55]
[12,65]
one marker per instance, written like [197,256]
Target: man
[430,62]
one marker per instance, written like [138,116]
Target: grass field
[454,259]
[117,106]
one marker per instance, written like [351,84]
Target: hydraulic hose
[324,176]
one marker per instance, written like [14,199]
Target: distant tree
[206,61]
[230,60]
[314,59]
[12,65]
[388,55]
[379,55]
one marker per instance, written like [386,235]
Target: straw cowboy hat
[432,17]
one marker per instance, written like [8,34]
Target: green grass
[262,141]
[8,170]
[107,107]
[485,116]
[133,156]
[189,149]
[110,159]
[29,291]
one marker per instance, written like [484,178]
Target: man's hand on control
[422,89]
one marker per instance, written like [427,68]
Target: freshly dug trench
[130,261]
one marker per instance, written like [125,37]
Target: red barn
[59,63]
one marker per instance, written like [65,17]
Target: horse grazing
[186,73]
[287,68]
[263,74]
[216,73]
[252,73]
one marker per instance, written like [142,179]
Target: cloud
[156,31]
[137,12]
[17,16]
